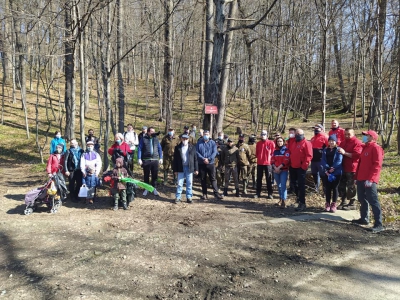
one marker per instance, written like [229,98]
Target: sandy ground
[238,248]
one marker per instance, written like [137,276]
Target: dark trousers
[261,169]
[347,188]
[150,166]
[298,177]
[368,196]
[75,183]
[209,170]
[331,188]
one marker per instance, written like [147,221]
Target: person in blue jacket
[206,150]
[57,140]
[332,164]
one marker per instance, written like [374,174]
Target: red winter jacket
[281,157]
[339,132]
[290,143]
[124,148]
[55,164]
[264,150]
[318,143]
[301,155]
[353,146]
[370,163]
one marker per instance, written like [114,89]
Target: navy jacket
[177,165]
[337,162]
[206,150]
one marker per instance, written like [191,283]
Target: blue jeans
[189,183]
[280,180]
[369,196]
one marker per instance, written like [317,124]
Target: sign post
[211,109]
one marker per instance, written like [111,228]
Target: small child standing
[119,189]
[91,181]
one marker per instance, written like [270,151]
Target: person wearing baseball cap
[319,142]
[367,177]
[184,164]
[144,131]
[229,161]
[244,161]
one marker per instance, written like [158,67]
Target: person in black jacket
[184,165]
[72,167]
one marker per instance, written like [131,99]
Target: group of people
[346,166]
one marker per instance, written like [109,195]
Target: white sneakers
[154,192]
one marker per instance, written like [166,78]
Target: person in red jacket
[351,149]
[367,176]
[120,149]
[319,142]
[300,158]
[280,164]
[338,131]
[55,169]
[264,150]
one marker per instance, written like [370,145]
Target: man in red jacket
[350,149]
[367,176]
[300,157]
[338,131]
[264,150]
[290,141]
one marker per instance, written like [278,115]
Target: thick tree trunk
[120,66]
[210,19]
[69,71]
[346,106]
[168,60]
[225,68]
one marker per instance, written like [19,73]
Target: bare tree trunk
[120,66]
[208,57]
[376,107]
[225,68]
[69,70]
[346,106]
[168,60]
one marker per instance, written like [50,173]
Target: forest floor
[237,248]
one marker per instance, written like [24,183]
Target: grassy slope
[16,145]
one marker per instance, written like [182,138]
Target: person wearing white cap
[91,159]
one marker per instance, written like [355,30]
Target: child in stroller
[48,194]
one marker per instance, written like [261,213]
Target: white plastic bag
[83,191]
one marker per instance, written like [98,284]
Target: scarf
[76,157]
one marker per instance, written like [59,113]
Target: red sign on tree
[211,109]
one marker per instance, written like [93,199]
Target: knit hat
[60,145]
[332,137]
[89,143]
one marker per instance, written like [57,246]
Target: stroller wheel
[57,204]
[28,211]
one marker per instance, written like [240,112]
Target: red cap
[371,133]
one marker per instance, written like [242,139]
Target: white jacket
[131,138]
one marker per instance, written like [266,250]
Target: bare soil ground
[228,249]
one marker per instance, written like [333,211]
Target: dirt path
[232,249]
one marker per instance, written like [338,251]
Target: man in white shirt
[131,138]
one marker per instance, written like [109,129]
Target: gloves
[160,161]
[140,162]
[368,183]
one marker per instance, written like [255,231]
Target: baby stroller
[48,194]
